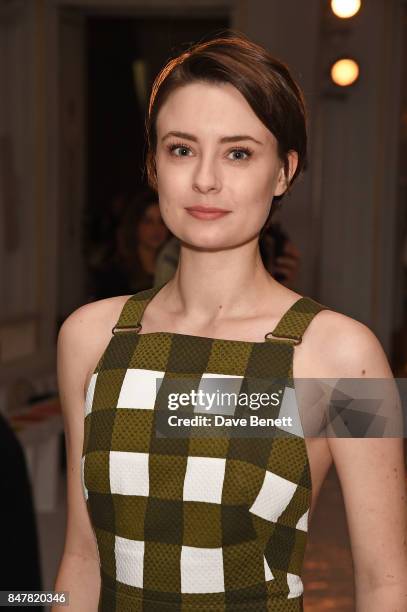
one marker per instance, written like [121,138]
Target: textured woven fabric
[188,524]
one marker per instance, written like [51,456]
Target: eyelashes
[180,145]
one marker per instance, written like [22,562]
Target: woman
[216,524]
[130,265]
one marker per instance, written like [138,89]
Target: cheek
[174,193]
[168,214]
[169,171]
[253,193]
[164,207]
[172,184]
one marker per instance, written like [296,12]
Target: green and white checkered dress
[193,524]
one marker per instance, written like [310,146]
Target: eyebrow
[187,136]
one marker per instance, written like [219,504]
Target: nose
[206,176]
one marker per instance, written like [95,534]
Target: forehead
[208,108]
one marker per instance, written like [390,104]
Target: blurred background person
[126,264]
[22,569]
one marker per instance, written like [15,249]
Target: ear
[283,181]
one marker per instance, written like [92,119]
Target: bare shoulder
[86,332]
[94,313]
[339,346]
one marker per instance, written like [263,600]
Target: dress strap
[132,311]
[295,321]
[290,328]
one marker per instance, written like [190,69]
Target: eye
[178,145]
[244,151]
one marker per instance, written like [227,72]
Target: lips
[206,209]
[206,213]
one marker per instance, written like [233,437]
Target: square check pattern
[194,523]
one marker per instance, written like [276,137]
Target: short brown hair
[263,80]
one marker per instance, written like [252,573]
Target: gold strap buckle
[126,328]
[293,340]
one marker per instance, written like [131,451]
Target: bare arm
[79,572]
[373,480]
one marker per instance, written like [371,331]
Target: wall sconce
[345,72]
[345,8]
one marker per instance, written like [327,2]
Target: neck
[209,286]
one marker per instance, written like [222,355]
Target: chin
[210,243]
[211,235]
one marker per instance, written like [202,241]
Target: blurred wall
[358,141]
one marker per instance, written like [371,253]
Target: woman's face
[213,151]
[151,231]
